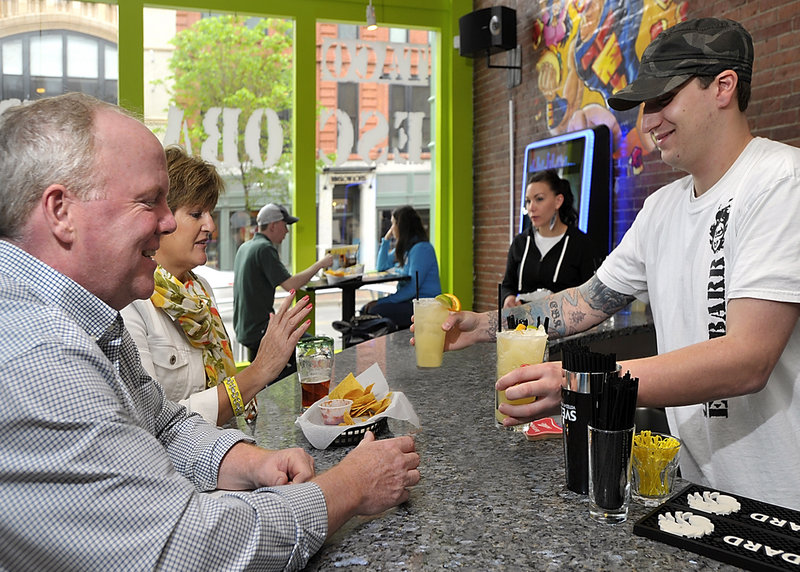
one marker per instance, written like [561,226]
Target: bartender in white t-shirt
[716,255]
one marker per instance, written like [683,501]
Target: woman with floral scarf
[179,333]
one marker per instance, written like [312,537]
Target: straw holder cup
[576,407]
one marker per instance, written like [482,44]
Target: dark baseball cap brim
[702,47]
[645,89]
[272,212]
[287,218]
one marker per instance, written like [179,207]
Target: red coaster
[545,428]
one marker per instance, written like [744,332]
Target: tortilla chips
[365,405]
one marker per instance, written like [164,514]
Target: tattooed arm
[570,311]
[738,363]
[575,309]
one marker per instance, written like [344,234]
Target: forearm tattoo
[572,310]
[565,313]
[492,326]
[602,298]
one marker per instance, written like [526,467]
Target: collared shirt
[98,471]
[257,271]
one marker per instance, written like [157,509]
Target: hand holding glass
[516,348]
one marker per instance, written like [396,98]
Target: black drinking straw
[613,410]
[416,279]
[614,402]
[500,307]
[577,357]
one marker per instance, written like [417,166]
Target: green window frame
[451,131]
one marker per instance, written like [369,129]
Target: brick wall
[774,112]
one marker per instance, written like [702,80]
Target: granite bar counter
[489,499]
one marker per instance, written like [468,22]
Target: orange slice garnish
[450,300]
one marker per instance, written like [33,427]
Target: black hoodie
[571,262]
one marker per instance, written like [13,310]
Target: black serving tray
[354,435]
[760,536]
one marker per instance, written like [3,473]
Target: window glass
[346,214]
[111,63]
[12,57]
[347,99]
[220,85]
[58,47]
[82,56]
[348,31]
[13,87]
[421,102]
[373,133]
[408,104]
[399,35]
[47,55]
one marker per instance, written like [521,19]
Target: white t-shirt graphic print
[689,256]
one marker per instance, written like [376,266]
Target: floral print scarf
[191,307]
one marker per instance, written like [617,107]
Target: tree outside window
[236,63]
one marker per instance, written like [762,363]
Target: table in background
[349,287]
[488,500]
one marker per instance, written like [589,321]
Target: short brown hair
[742,90]
[192,181]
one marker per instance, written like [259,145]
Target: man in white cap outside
[258,271]
[716,255]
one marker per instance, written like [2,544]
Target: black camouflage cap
[701,47]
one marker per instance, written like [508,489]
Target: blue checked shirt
[98,471]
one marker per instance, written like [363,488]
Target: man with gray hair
[716,255]
[97,470]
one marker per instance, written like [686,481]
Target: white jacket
[169,358]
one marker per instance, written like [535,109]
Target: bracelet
[233,394]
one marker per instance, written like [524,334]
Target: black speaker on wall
[487,31]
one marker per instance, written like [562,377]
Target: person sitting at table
[98,470]
[258,271]
[413,256]
[551,254]
[181,338]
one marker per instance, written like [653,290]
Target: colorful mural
[588,49]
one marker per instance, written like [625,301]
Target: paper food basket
[322,436]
